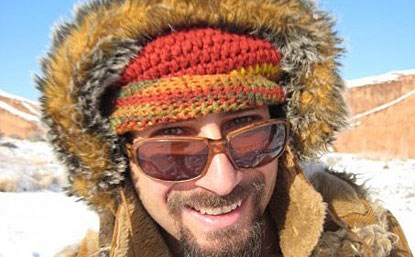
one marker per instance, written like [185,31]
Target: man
[183,123]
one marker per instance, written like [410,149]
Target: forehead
[218,118]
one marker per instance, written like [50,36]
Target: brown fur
[373,239]
[369,241]
[362,228]
[296,208]
[135,233]
[89,245]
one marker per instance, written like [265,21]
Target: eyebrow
[199,118]
[237,112]
[224,114]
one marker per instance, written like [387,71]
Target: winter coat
[321,214]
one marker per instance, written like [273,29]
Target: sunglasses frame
[215,146]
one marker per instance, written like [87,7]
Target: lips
[219,210]
[205,219]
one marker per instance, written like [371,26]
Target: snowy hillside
[16,97]
[28,166]
[19,117]
[28,112]
[378,79]
[35,216]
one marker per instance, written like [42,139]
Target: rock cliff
[20,117]
[382,116]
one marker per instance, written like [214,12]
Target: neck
[173,244]
[270,245]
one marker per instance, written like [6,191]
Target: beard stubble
[239,240]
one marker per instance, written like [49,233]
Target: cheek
[153,195]
[270,173]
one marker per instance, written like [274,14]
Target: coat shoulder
[354,225]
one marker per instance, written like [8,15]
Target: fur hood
[88,55]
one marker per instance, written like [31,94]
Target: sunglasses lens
[258,146]
[173,160]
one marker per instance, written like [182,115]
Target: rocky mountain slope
[382,111]
[19,117]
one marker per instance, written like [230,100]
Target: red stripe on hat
[198,52]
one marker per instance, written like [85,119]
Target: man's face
[219,211]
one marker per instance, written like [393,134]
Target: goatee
[244,240]
[229,247]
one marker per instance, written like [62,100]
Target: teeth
[220,210]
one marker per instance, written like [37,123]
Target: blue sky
[379,37]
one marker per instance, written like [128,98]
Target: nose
[221,177]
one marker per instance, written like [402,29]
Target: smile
[208,219]
[219,210]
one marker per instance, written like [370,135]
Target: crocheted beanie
[195,72]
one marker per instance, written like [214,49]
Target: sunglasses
[185,158]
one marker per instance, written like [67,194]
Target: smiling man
[215,177]
[183,123]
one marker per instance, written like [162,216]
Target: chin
[235,241]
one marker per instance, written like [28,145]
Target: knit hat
[194,72]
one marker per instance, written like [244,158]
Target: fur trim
[335,189]
[135,232]
[89,54]
[298,210]
[355,226]
[369,241]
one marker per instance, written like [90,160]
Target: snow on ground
[28,166]
[35,116]
[16,112]
[36,217]
[40,223]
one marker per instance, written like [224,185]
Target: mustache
[203,199]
